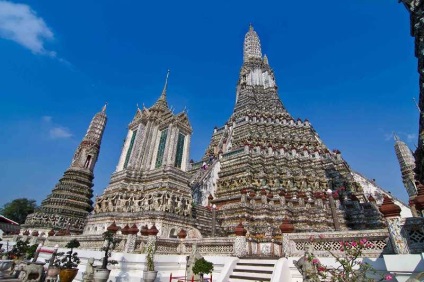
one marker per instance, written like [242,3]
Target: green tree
[18,209]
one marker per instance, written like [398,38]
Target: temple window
[172,233]
[127,158]
[87,162]
[180,150]
[161,148]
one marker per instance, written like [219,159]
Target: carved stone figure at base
[195,255]
[89,271]
[306,267]
[31,272]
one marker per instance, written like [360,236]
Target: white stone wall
[209,184]
[121,162]
[370,188]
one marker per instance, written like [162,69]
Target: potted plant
[101,274]
[69,262]
[202,266]
[19,251]
[149,275]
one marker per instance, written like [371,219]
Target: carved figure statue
[179,208]
[195,255]
[306,267]
[88,275]
[29,269]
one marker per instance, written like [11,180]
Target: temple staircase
[201,173]
[254,270]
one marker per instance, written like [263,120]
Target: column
[391,213]
[240,241]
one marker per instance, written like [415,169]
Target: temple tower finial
[407,165]
[252,45]
[161,102]
[395,136]
[104,108]
[165,87]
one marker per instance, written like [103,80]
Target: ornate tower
[416,10]
[149,185]
[407,166]
[70,201]
[263,166]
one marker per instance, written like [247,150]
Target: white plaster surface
[131,266]
[371,188]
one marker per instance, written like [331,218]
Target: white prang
[257,77]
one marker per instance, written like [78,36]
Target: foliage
[31,251]
[22,249]
[55,260]
[18,209]
[150,258]
[202,266]
[70,259]
[110,243]
[351,268]
[74,243]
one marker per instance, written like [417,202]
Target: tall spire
[256,89]
[161,102]
[407,165]
[96,128]
[70,201]
[165,87]
[252,45]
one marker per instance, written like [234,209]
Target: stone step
[235,278]
[257,261]
[253,268]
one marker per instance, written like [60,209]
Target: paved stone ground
[9,279]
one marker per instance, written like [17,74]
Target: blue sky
[347,66]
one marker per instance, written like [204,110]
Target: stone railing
[291,244]
[323,243]
[170,246]
[218,246]
[266,247]
[413,231]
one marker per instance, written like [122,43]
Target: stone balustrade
[291,244]
[323,243]
[412,228]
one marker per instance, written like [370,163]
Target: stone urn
[101,275]
[149,276]
[67,274]
[5,265]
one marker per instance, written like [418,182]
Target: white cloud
[388,136]
[411,137]
[59,132]
[19,23]
[47,118]
[55,131]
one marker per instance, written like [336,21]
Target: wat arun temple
[265,185]
[262,165]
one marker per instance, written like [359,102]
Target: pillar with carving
[240,241]
[391,213]
[181,247]
[286,227]
[151,239]
[131,233]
